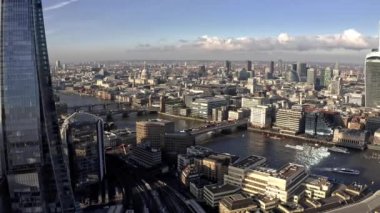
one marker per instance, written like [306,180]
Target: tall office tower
[301,71]
[249,65]
[293,76]
[294,67]
[152,132]
[202,71]
[83,136]
[228,66]
[280,65]
[327,75]
[336,86]
[30,146]
[336,73]
[336,67]
[271,67]
[372,79]
[58,65]
[311,76]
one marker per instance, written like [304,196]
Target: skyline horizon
[345,31]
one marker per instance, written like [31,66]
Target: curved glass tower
[31,151]
[372,79]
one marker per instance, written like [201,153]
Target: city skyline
[308,31]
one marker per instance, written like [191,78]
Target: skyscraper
[302,71]
[372,79]
[228,66]
[249,65]
[336,86]
[30,146]
[311,76]
[327,75]
[271,68]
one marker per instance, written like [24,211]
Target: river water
[244,143]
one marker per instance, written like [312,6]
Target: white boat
[274,138]
[297,147]
[346,171]
[339,150]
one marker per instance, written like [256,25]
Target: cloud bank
[59,5]
[349,39]
[348,46]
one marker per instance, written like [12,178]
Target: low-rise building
[290,121]
[214,193]
[237,203]
[177,143]
[249,102]
[202,107]
[267,203]
[317,188]
[183,160]
[290,208]
[351,138]
[261,116]
[237,171]
[214,167]
[280,184]
[190,174]
[146,156]
[197,187]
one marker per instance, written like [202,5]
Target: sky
[293,30]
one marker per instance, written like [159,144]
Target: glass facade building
[83,136]
[321,123]
[372,79]
[31,152]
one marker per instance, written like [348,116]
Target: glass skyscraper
[31,150]
[372,79]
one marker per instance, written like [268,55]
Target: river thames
[245,143]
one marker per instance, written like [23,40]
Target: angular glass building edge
[31,150]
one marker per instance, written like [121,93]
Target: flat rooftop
[216,189]
[318,181]
[237,201]
[250,161]
[209,99]
[290,170]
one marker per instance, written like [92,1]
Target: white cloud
[349,39]
[284,38]
[59,5]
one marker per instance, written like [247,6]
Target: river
[244,143]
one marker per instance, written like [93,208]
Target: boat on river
[346,171]
[296,147]
[339,150]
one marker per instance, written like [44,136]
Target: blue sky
[211,29]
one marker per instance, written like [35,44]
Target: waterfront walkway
[295,137]
[368,205]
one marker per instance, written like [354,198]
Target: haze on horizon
[295,30]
